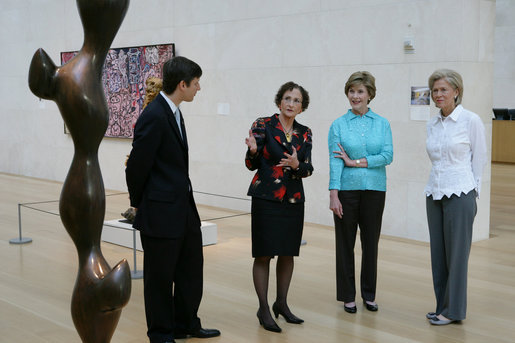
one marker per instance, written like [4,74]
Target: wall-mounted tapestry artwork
[123,78]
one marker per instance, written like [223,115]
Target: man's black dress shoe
[370,307]
[352,309]
[200,333]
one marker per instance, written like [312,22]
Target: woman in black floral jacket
[280,149]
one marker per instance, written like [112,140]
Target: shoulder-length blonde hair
[153,86]
[451,76]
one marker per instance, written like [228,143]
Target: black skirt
[276,228]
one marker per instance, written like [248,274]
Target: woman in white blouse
[456,146]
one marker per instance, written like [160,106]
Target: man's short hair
[178,69]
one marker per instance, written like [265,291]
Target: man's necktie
[177,116]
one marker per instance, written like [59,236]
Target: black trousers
[363,209]
[173,281]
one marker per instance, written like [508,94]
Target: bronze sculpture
[100,292]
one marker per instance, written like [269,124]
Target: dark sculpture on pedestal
[100,292]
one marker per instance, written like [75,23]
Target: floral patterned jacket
[279,183]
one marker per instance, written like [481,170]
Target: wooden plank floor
[36,280]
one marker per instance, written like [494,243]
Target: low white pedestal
[122,234]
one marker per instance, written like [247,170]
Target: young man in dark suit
[167,218]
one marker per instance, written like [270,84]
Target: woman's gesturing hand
[251,143]
[290,160]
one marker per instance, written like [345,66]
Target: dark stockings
[261,272]
[284,271]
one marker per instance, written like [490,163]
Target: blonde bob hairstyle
[451,76]
[154,86]
[362,78]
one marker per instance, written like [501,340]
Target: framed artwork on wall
[123,78]
[419,105]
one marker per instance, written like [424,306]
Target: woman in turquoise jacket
[360,147]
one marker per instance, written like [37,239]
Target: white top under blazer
[456,146]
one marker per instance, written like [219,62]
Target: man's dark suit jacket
[157,173]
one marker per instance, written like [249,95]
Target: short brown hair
[289,86]
[362,78]
[451,76]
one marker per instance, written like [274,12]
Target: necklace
[287,133]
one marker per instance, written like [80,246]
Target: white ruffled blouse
[456,146]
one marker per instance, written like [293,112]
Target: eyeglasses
[296,101]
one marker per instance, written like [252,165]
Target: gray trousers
[450,223]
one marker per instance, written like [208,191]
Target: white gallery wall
[504,58]
[247,49]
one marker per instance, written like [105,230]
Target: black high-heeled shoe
[274,327]
[289,318]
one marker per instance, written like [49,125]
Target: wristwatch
[358,162]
